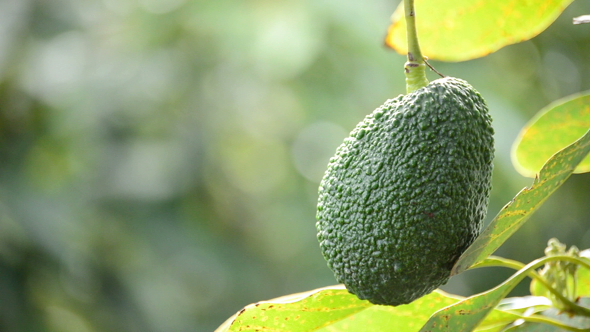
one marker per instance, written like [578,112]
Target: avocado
[407,192]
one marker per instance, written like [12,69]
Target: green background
[159,160]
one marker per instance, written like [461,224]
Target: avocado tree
[402,297]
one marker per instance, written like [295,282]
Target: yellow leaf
[459,30]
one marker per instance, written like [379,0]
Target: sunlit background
[159,160]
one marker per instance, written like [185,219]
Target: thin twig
[432,68]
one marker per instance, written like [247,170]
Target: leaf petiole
[415,67]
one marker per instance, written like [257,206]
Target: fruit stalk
[415,67]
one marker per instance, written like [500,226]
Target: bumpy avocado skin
[406,193]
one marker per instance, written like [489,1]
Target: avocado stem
[415,67]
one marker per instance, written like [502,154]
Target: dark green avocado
[406,193]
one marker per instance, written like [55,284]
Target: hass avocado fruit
[406,193]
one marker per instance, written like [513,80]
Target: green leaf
[335,309]
[466,314]
[297,312]
[553,174]
[460,30]
[496,321]
[553,128]
[404,318]
[583,277]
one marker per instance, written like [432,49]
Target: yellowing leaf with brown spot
[459,30]
[334,309]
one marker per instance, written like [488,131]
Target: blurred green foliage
[159,160]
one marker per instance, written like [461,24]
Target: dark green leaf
[466,314]
[553,174]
